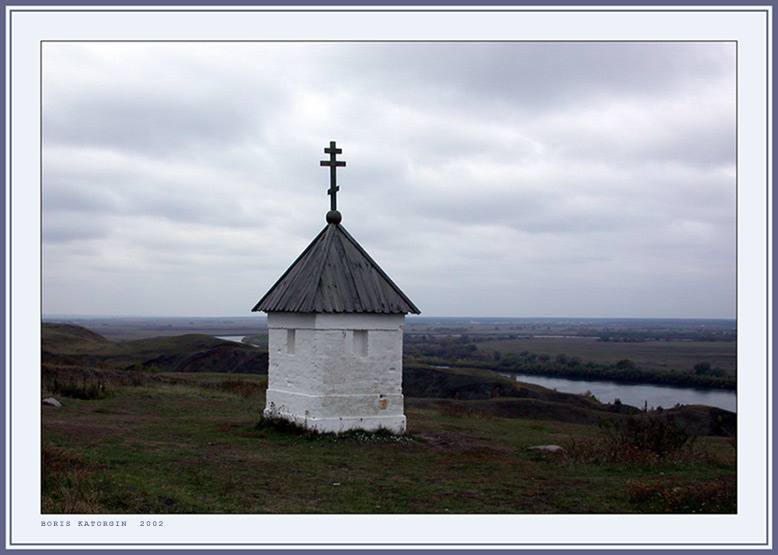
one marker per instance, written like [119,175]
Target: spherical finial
[334,217]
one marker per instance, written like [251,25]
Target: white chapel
[335,324]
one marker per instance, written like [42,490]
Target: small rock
[52,401]
[548,448]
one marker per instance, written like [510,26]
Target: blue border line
[6,268]
[513,7]
[7,309]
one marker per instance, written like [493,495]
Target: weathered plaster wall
[335,372]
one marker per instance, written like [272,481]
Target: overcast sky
[487,179]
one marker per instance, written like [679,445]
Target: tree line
[457,352]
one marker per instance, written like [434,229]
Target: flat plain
[651,355]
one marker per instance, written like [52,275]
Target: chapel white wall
[328,382]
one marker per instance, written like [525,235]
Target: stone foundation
[337,424]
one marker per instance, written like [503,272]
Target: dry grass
[194,446]
[666,496]
[462,410]
[70,484]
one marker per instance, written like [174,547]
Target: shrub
[702,368]
[241,388]
[86,388]
[658,496]
[78,382]
[645,433]
[636,439]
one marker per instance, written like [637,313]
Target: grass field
[195,443]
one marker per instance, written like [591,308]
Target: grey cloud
[531,169]
[646,134]
[62,228]
[156,125]
[77,195]
[534,75]
[156,102]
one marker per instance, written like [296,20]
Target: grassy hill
[134,438]
[489,393]
[71,339]
[70,344]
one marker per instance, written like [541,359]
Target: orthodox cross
[333,164]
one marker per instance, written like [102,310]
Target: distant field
[651,355]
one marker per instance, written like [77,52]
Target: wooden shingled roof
[335,274]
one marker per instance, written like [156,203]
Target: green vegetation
[180,443]
[677,356]
[131,437]
[678,363]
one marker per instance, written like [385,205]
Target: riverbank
[638,395]
[687,354]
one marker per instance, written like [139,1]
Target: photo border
[9,332]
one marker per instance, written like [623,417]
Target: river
[636,395]
[235,338]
